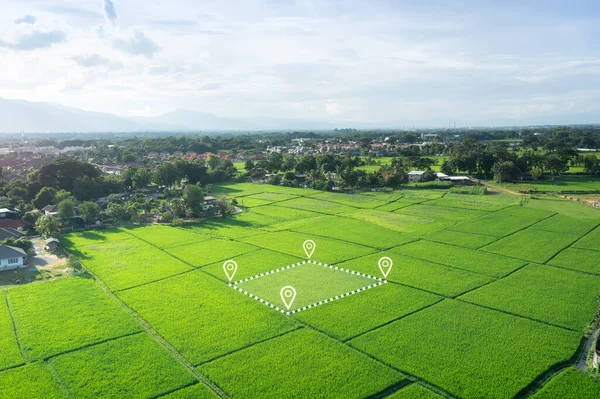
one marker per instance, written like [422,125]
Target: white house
[12,258]
[415,175]
[209,202]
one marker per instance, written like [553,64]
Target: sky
[380,61]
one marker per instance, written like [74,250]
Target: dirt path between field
[582,363]
[496,189]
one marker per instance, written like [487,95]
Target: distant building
[209,202]
[8,214]
[51,210]
[9,233]
[52,244]
[415,176]
[12,258]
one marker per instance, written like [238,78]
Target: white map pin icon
[309,247]
[230,267]
[385,265]
[288,294]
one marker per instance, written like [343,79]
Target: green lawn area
[202,317]
[10,355]
[83,238]
[65,314]
[313,283]
[569,384]
[472,352]
[556,296]
[129,367]
[303,364]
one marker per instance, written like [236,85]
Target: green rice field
[487,296]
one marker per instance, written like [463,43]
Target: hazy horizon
[391,62]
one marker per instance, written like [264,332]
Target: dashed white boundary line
[234,285]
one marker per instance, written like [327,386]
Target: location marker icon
[309,247]
[288,294]
[385,265]
[230,267]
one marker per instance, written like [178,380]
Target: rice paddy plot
[462,258]
[476,202]
[202,317]
[313,284]
[127,263]
[583,260]
[569,384]
[328,250]
[419,273]
[414,225]
[303,364]
[251,201]
[566,224]
[32,381]
[252,263]
[356,314]
[207,252]
[130,367]
[590,240]
[401,203]
[197,391]
[273,197]
[65,314]
[533,245]
[83,238]
[356,231]
[165,236]
[285,214]
[495,224]
[458,238]
[472,352]
[10,355]
[544,293]
[352,200]
[528,211]
[414,391]
[316,205]
[234,190]
[440,212]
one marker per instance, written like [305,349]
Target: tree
[505,171]
[63,172]
[249,165]
[22,242]
[556,164]
[89,211]
[63,195]
[117,212]
[193,195]
[66,209]
[429,175]
[47,226]
[213,162]
[140,178]
[166,174]
[222,204]
[44,197]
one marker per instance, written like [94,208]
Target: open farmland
[462,314]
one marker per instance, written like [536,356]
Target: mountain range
[20,116]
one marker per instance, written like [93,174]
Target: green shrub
[469,190]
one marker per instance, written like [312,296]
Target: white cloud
[137,44]
[35,40]
[110,13]
[25,19]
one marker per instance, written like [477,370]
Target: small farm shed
[52,244]
[12,258]
[209,202]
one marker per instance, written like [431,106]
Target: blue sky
[393,62]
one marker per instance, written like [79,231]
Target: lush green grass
[415,225]
[235,190]
[252,263]
[440,212]
[419,273]
[477,202]
[470,351]
[241,225]
[129,367]
[84,238]
[327,250]
[567,224]
[316,205]
[544,293]
[198,391]
[33,381]
[495,224]
[467,240]
[414,391]
[462,258]
[353,200]
[533,245]
[356,314]
[400,203]
[251,201]
[165,236]
[590,241]
[313,283]
[10,355]
[583,260]
[61,315]
[127,263]
[207,252]
[202,317]
[273,197]
[528,211]
[356,231]
[569,384]
[559,184]
[284,214]
[302,364]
